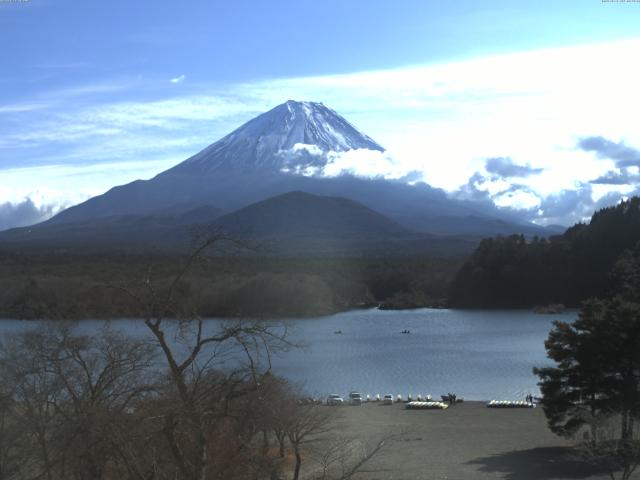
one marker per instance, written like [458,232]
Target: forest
[70,286]
[514,272]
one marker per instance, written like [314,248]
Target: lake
[478,355]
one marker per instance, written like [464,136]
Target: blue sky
[95,94]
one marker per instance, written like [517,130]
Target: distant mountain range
[266,180]
[292,224]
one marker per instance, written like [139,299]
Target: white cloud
[24,213]
[363,163]
[360,162]
[21,107]
[517,199]
[179,79]
[446,119]
[443,120]
[310,149]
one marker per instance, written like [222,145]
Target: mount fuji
[279,151]
[283,150]
[292,136]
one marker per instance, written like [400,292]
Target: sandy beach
[466,441]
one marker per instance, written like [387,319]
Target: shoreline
[368,308]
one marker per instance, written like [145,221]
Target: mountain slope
[285,150]
[116,232]
[294,216]
[295,224]
[248,165]
[294,134]
[299,214]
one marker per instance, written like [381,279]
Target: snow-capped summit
[292,135]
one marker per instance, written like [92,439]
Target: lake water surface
[478,355]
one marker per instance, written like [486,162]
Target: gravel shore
[466,441]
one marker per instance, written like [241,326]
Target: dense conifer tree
[594,389]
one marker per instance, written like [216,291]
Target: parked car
[355,398]
[335,399]
[388,399]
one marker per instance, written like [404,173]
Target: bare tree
[344,457]
[279,403]
[314,429]
[306,425]
[12,437]
[192,350]
[72,395]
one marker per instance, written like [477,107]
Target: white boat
[426,406]
[509,404]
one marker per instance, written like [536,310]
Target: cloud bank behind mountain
[24,213]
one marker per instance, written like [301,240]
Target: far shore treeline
[503,272]
[85,285]
[513,272]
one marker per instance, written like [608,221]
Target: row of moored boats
[510,404]
[426,405]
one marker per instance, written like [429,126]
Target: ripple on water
[476,354]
